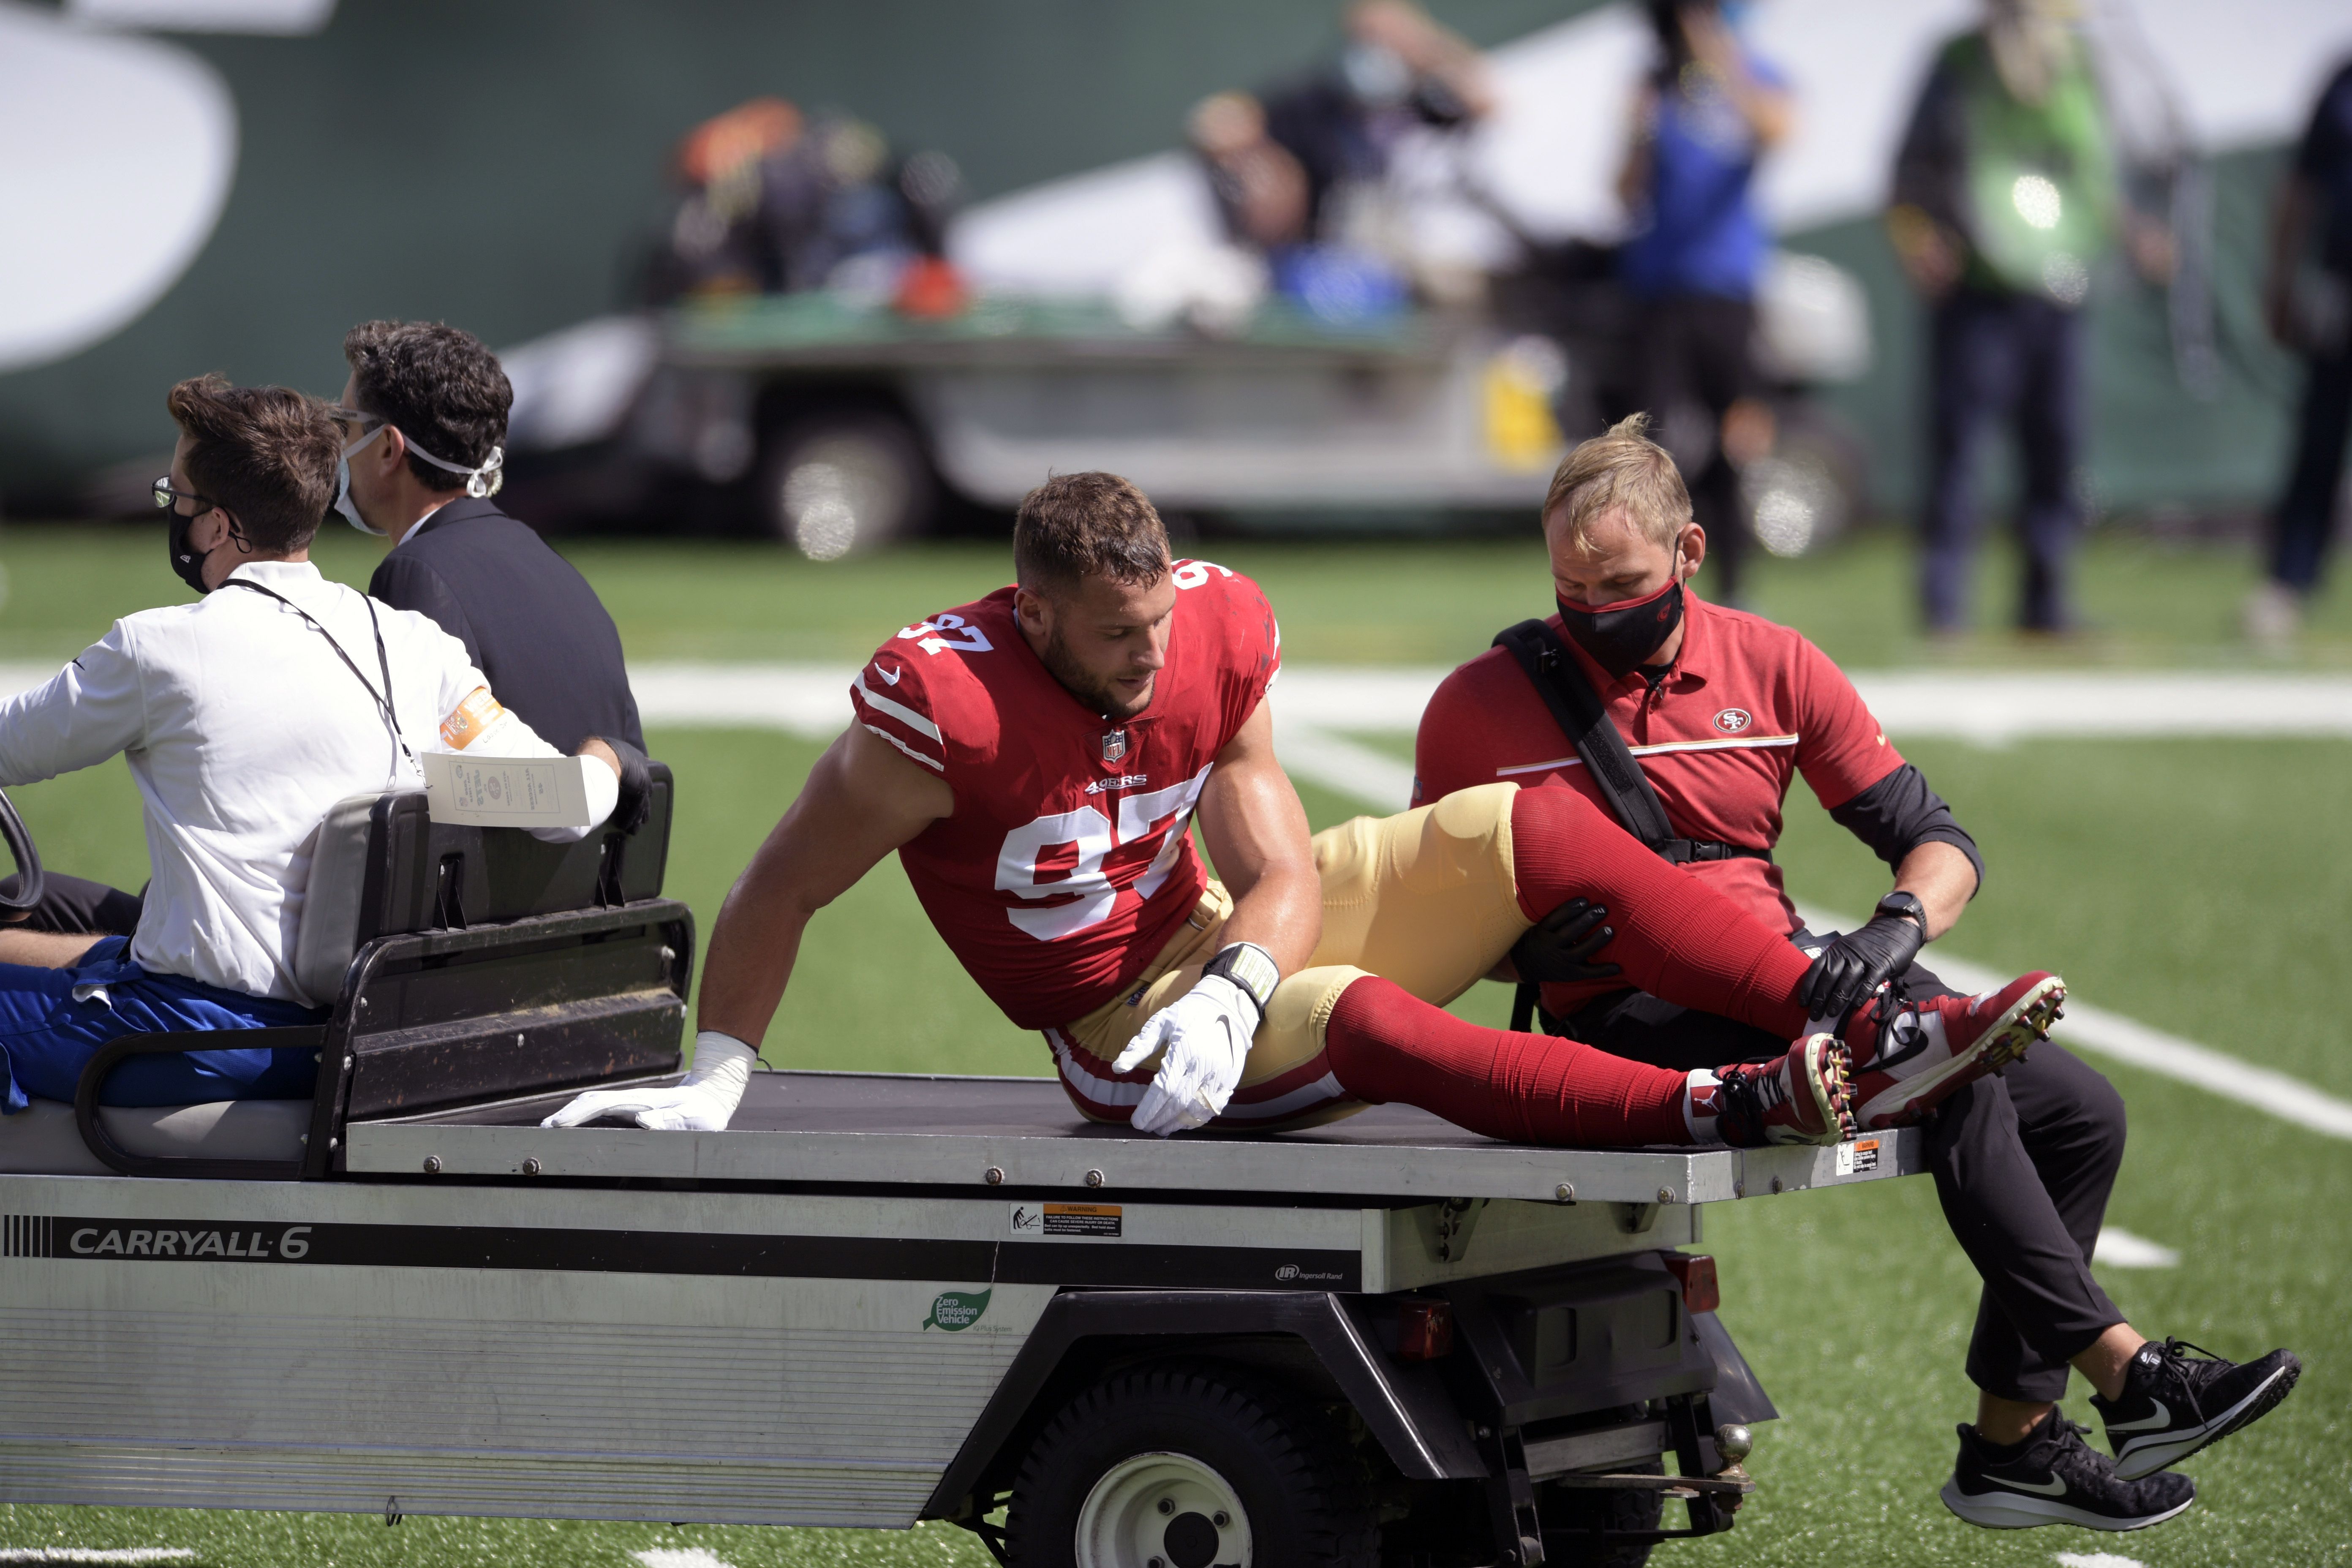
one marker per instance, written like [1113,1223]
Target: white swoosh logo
[2054,1487]
[2162,1418]
[889,675]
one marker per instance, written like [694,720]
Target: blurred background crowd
[851,275]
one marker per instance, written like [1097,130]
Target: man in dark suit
[423,417]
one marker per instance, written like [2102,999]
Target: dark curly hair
[439,385]
[264,454]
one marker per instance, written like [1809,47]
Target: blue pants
[48,1034]
[2306,513]
[1994,356]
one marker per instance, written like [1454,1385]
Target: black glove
[637,802]
[1559,946]
[1857,963]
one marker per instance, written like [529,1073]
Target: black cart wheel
[1191,1468]
[844,485]
[24,889]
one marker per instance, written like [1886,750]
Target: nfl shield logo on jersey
[1731,720]
[1114,745]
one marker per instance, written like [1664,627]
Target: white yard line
[1993,708]
[2127,1040]
[681,1557]
[2121,1248]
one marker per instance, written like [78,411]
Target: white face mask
[480,482]
[343,502]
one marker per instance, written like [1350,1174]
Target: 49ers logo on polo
[1732,721]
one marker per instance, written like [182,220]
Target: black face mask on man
[188,561]
[1622,636]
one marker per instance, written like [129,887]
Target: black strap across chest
[1576,708]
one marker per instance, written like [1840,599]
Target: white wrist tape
[721,1059]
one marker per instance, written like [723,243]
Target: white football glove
[704,1102]
[1206,1035]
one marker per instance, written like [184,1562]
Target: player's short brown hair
[1076,526]
[264,454]
[440,385]
[1624,469]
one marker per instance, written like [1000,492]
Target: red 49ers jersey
[1066,865]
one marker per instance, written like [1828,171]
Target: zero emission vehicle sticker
[956,1310]
[1067,1249]
[1067,1219]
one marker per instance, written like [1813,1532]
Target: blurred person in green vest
[2006,198]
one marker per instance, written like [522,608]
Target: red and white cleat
[1803,1097]
[1910,1055]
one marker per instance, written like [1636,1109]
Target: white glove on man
[705,1102]
[1206,1033]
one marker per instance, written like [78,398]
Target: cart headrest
[380,865]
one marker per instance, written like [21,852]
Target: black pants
[1695,355]
[2305,518]
[71,906]
[2023,1160]
[1992,356]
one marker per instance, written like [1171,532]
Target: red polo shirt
[1746,704]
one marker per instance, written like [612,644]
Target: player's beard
[1093,690]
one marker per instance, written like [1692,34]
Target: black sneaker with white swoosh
[2057,1479]
[2174,1403]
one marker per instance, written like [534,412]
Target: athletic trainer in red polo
[1720,710]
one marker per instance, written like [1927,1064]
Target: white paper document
[506,791]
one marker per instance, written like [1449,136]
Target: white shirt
[243,729]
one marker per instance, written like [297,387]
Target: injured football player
[1037,758]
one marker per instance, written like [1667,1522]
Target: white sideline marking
[93,1554]
[2120,1248]
[1343,766]
[2128,1040]
[1990,708]
[2097,1560]
[687,1557]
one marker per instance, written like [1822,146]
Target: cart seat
[460,964]
[44,1140]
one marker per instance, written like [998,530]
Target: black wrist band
[1250,967]
[1906,906]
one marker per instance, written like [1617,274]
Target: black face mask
[187,561]
[1620,636]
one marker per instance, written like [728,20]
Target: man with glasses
[244,717]
[422,418]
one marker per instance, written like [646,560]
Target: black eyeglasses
[165,495]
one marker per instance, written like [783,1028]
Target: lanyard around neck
[382,700]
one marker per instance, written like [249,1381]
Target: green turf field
[2201,886]
[1352,602]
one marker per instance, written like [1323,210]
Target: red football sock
[1677,939]
[1387,1045]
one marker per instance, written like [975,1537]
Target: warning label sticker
[1066,1220]
[1858,1157]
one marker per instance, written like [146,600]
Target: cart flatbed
[890,1128]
